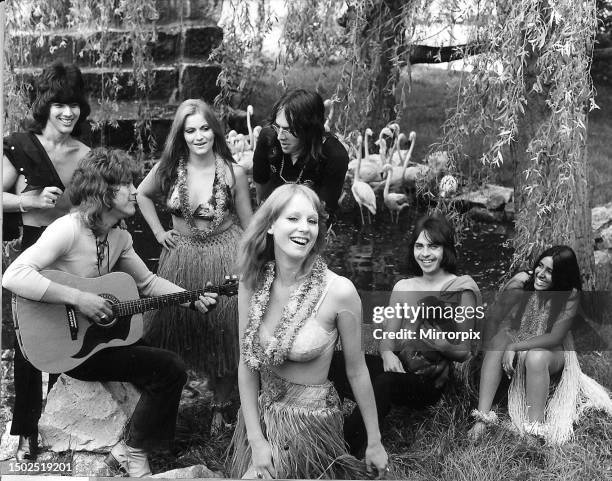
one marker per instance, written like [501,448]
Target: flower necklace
[299,308]
[219,193]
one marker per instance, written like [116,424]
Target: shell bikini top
[312,340]
[205,210]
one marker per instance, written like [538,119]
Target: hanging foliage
[526,98]
[110,34]
[245,25]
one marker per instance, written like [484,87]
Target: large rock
[8,443]
[192,472]
[490,196]
[86,416]
[601,224]
[601,217]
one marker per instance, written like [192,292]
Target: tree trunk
[570,225]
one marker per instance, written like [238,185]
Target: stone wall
[187,32]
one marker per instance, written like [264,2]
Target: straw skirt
[303,424]
[208,342]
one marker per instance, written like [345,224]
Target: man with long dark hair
[37,165]
[296,149]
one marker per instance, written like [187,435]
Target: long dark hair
[175,146]
[61,84]
[565,273]
[305,114]
[439,231]
[565,278]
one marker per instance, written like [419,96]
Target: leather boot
[131,460]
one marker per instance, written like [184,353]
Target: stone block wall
[187,32]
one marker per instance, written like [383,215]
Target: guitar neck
[138,306]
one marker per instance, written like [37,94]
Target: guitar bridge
[73,325]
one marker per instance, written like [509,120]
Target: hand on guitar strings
[93,306]
[207,301]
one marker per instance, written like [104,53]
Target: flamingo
[376,158]
[329,104]
[369,171]
[249,112]
[395,202]
[362,192]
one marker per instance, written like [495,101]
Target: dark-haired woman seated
[295,149]
[533,343]
[413,371]
[37,167]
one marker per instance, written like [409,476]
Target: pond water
[374,256]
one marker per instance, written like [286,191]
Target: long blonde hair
[257,246]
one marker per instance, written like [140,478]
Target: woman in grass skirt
[534,347]
[208,196]
[292,310]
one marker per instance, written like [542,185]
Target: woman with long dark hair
[534,344]
[207,195]
[37,167]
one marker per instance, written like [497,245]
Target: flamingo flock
[390,173]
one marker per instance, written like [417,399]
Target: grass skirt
[574,394]
[208,343]
[303,424]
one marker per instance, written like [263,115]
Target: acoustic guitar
[57,338]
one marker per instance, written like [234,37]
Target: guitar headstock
[229,287]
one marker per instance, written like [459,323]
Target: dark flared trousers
[158,374]
[401,389]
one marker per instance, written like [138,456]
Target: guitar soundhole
[109,321]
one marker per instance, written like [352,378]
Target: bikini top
[312,340]
[205,210]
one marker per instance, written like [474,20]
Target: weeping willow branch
[527,98]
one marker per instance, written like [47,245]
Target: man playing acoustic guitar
[89,243]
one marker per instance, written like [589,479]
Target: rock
[90,464]
[86,416]
[192,472]
[8,443]
[603,269]
[601,217]
[490,196]
[484,215]
[603,238]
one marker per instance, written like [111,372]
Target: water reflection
[374,257]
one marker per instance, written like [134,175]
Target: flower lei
[219,192]
[298,309]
